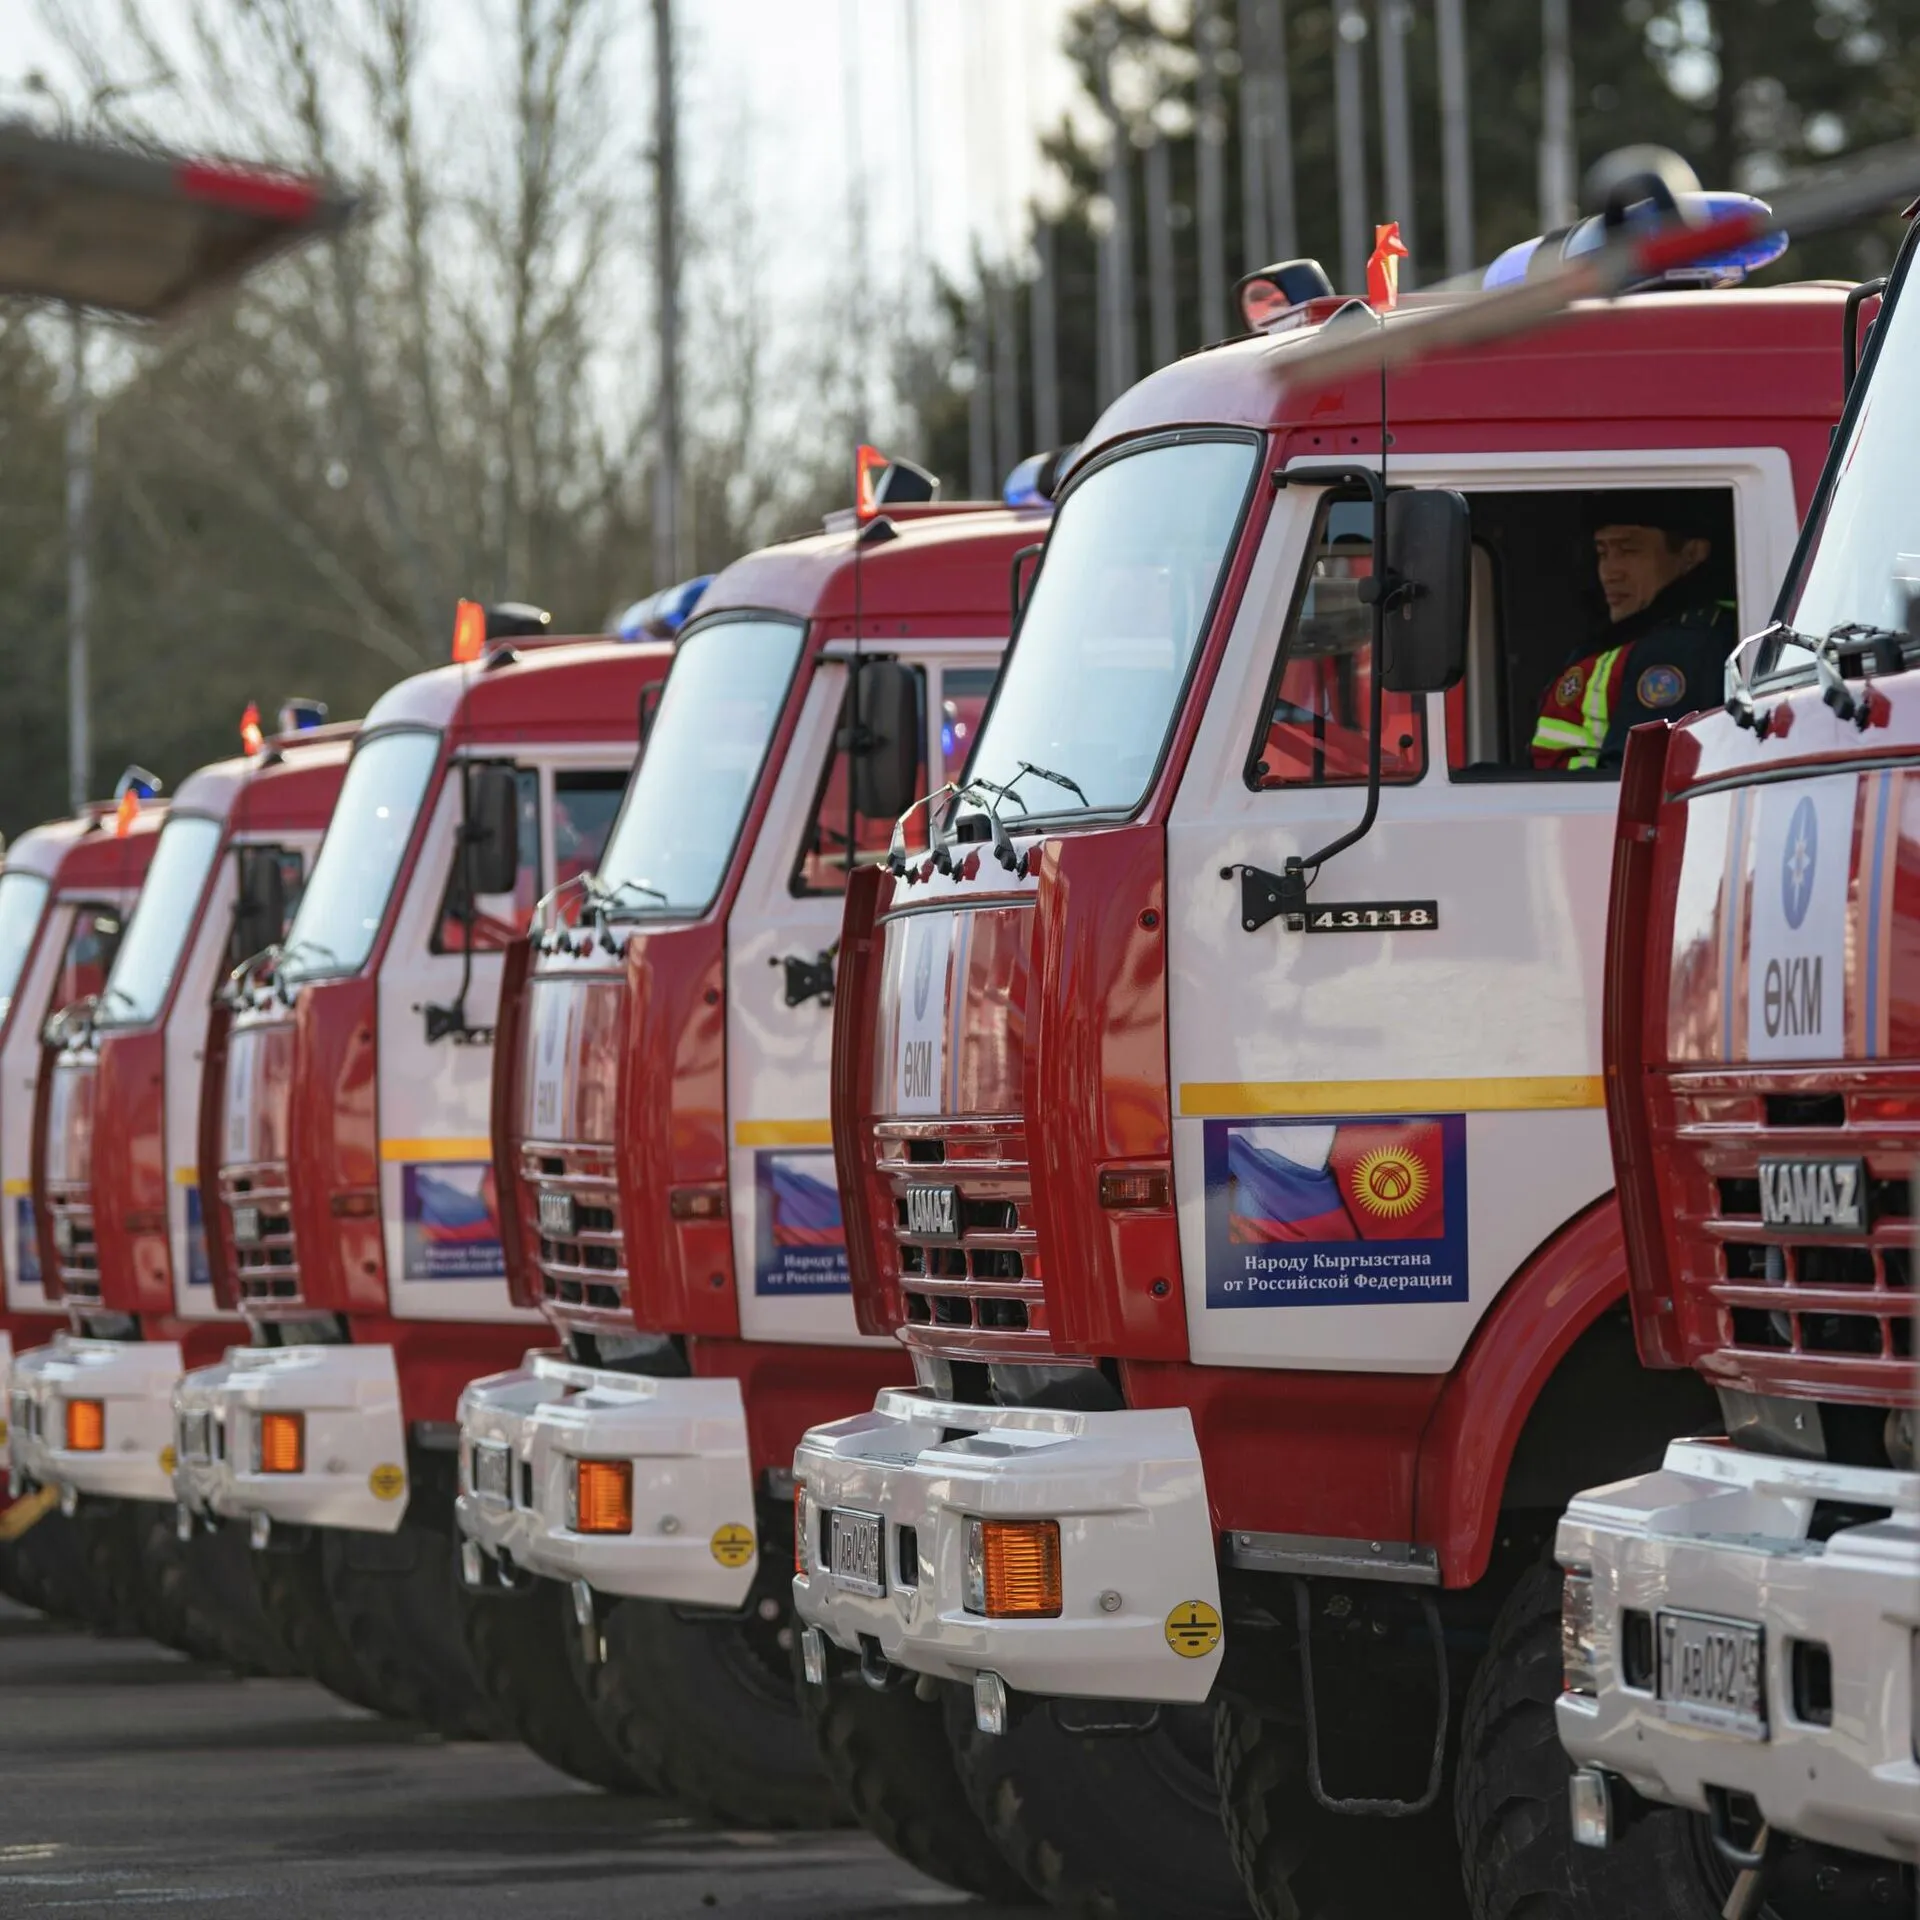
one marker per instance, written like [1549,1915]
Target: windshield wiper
[1058,779]
[1888,646]
[604,897]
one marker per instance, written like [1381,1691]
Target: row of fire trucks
[1116,1267]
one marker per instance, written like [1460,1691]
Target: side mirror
[492,851]
[1430,550]
[260,903]
[884,733]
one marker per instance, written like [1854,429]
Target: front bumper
[1731,1534]
[1139,1579]
[353,1471]
[133,1382]
[693,1535]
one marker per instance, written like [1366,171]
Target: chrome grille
[1782,1309]
[583,1269]
[266,1266]
[977,1296]
[76,1257]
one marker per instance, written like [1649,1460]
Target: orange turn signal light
[602,1496]
[280,1443]
[1134,1189]
[1013,1569]
[86,1426]
[697,1203]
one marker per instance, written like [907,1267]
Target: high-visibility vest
[1575,718]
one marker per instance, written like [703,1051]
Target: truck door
[439,1214]
[1379,1117]
[789,1249]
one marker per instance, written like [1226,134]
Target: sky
[773,79]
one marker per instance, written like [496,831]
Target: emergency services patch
[1660,686]
[1568,691]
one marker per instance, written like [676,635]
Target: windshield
[673,839]
[163,916]
[22,896]
[1138,548]
[1863,563]
[340,912]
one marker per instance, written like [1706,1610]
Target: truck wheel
[704,1705]
[1517,1847]
[41,1568]
[293,1596]
[109,1589]
[889,1758]
[516,1644]
[396,1597]
[175,1610]
[205,1590]
[1300,1862]
[1120,1825]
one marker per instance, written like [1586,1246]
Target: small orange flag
[126,813]
[1383,266]
[869,469]
[251,738]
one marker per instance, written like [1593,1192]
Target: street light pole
[80,441]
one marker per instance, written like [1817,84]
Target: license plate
[493,1472]
[1814,1196]
[196,1437]
[246,1226]
[1712,1674]
[556,1215]
[854,1543]
[933,1213]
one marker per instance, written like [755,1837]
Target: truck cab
[1741,1621]
[121,1233]
[353,1222]
[663,1101]
[65,889]
[1223,1129]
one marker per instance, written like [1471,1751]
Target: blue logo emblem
[1661,686]
[1798,863]
[923,980]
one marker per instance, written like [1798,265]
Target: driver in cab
[1671,627]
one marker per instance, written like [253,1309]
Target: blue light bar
[661,615]
[300,715]
[1722,270]
[1031,483]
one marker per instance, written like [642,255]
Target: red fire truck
[664,1154]
[121,1237]
[1221,1126]
[64,892]
[1742,1625]
[345,1145]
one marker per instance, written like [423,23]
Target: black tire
[174,1608]
[888,1757]
[1300,1862]
[396,1597]
[292,1587]
[517,1643]
[703,1706]
[1516,1843]
[205,1589]
[41,1568]
[110,1588]
[1121,1825]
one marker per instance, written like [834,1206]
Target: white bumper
[694,1539]
[1718,1531]
[1137,1551]
[133,1382]
[355,1453]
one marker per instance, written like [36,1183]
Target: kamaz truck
[116,1190]
[1219,1118]
[344,1143]
[65,889]
[1741,1623]
[662,1124]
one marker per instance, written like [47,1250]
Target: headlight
[1579,1662]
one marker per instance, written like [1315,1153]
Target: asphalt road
[132,1779]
